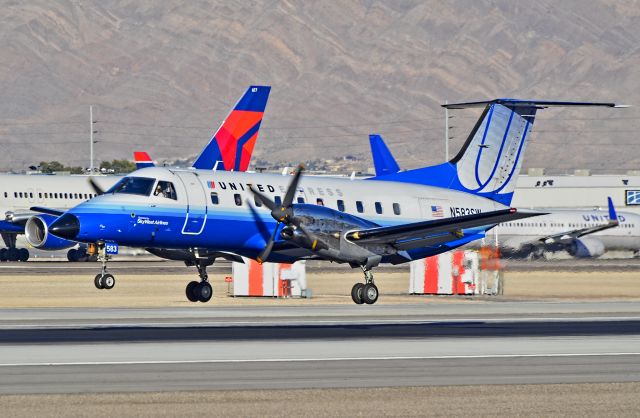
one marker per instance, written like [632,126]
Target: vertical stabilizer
[232,144]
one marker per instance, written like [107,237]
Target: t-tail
[231,146]
[490,160]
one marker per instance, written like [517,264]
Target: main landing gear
[366,292]
[11,253]
[103,280]
[200,291]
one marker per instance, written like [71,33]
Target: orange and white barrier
[269,279]
[450,273]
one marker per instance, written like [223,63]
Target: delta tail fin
[142,160]
[383,160]
[231,146]
[490,160]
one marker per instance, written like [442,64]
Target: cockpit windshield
[133,185]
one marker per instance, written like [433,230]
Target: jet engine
[36,231]
[586,247]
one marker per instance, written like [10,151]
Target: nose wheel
[366,292]
[104,280]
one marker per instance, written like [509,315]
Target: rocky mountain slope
[162,75]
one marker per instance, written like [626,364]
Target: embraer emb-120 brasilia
[392,218]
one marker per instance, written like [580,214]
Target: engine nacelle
[36,231]
[586,247]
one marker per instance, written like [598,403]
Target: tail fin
[490,160]
[382,158]
[142,160]
[233,142]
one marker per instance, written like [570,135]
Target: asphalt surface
[131,350]
[145,265]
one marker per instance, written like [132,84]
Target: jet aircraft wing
[48,211]
[577,233]
[427,233]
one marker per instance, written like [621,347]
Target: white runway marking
[319,359]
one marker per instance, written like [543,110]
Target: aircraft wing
[48,211]
[577,233]
[427,233]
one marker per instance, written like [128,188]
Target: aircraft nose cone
[67,226]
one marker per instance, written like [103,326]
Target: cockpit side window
[134,185]
[165,189]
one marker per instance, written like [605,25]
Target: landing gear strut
[11,253]
[200,291]
[366,292]
[104,280]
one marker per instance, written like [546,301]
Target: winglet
[613,216]
[382,158]
[142,159]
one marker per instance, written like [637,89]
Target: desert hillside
[162,75]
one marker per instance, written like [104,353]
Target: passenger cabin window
[133,185]
[396,208]
[6,194]
[319,201]
[278,200]
[238,199]
[301,200]
[31,195]
[341,205]
[214,198]
[257,201]
[165,189]
[379,208]
[359,206]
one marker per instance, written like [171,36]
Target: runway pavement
[122,350]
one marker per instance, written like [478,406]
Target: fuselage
[217,211]
[20,192]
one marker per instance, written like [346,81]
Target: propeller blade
[293,187]
[263,199]
[264,254]
[96,188]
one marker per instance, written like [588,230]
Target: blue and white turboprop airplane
[392,218]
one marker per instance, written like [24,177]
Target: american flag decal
[211,184]
[436,211]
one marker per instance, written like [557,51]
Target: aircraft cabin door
[196,216]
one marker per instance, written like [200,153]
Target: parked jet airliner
[230,148]
[394,218]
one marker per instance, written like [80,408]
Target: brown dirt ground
[568,400]
[328,288]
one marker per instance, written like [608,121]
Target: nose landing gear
[366,292]
[103,280]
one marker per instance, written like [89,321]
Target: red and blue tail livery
[142,160]
[231,146]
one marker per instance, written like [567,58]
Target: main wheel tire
[370,294]
[13,254]
[191,291]
[204,291]
[3,254]
[98,281]
[23,255]
[108,281]
[72,255]
[357,293]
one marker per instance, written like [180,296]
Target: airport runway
[145,265]
[123,350]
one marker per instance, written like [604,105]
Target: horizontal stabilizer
[541,104]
